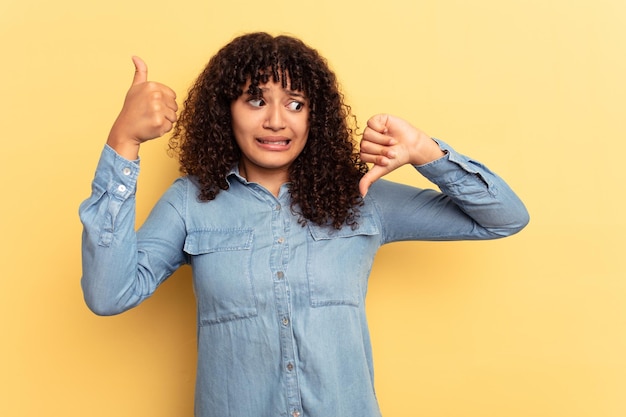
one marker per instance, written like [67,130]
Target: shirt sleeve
[473,203]
[122,267]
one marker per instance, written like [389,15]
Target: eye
[295,105]
[256,102]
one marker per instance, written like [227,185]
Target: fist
[149,111]
[390,142]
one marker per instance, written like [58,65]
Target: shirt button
[281,240]
[126,171]
[285,321]
[290,367]
[280,274]
[121,188]
[296,413]
[277,207]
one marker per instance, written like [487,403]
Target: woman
[280,219]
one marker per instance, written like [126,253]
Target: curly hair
[324,177]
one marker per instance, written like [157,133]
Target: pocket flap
[221,240]
[367,227]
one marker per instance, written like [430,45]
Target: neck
[270,179]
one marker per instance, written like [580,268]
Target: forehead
[264,85]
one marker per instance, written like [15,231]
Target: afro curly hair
[324,177]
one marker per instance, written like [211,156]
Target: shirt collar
[234,173]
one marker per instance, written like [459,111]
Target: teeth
[268,142]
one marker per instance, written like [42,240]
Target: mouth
[274,142]
[282,141]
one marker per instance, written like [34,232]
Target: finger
[364,185]
[374,136]
[370,177]
[375,159]
[141,71]
[172,106]
[379,123]
[370,149]
[171,116]
[168,92]
[171,103]
[166,128]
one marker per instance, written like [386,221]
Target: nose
[274,118]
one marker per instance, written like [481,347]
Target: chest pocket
[339,262]
[221,262]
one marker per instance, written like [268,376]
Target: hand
[149,112]
[390,142]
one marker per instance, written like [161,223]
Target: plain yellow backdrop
[533,325]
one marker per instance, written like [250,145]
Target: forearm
[122,267]
[109,250]
[474,203]
[477,191]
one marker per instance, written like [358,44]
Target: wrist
[125,146]
[426,151]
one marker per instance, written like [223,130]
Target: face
[271,130]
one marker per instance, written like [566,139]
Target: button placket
[281,223]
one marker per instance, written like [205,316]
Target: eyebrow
[292,93]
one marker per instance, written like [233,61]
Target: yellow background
[533,325]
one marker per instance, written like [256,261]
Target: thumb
[370,178]
[364,185]
[141,71]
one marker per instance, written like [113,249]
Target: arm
[474,203]
[119,270]
[121,267]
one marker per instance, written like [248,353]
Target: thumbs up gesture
[149,112]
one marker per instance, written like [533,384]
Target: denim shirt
[280,306]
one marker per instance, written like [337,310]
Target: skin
[390,142]
[271,131]
[149,112]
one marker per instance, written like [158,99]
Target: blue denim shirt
[281,307]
